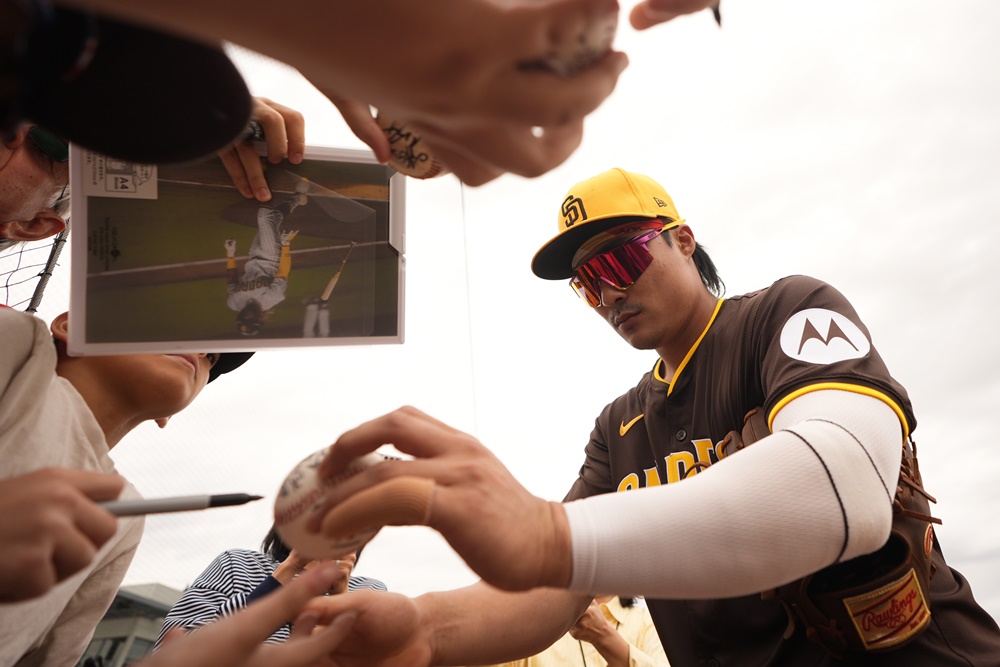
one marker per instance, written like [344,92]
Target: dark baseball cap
[228,361]
[126,91]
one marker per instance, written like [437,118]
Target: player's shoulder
[794,283]
[789,294]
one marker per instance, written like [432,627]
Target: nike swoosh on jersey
[624,428]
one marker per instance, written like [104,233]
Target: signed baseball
[410,153]
[304,491]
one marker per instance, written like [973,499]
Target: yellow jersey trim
[843,386]
[659,363]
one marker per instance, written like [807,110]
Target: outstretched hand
[360,118]
[284,136]
[512,539]
[237,640]
[288,236]
[466,77]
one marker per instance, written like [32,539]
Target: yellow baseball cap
[594,206]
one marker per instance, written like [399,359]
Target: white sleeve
[817,491]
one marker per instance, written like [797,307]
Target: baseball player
[789,543]
[265,274]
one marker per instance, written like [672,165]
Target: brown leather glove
[875,602]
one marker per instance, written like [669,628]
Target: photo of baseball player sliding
[223,271]
[265,273]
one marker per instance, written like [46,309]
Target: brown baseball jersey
[764,349]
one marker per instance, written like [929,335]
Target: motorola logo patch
[573,211]
[821,336]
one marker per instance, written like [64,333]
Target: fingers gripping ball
[304,491]
[410,153]
[402,501]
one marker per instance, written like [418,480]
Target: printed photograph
[175,256]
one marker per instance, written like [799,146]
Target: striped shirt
[234,578]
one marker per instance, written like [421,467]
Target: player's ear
[162,422]
[60,327]
[15,139]
[43,225]
[684,240]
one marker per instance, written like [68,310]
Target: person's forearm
[296,32]
[284,263]
[495,633]
[614,649]
[784,516]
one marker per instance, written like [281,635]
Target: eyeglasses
[619,267]
[52,146]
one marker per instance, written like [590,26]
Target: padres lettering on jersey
[255,284]
[760,349]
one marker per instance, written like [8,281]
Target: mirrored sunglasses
[619,267]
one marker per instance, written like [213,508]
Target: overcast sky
[857,142]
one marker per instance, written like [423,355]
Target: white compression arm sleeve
[817,491]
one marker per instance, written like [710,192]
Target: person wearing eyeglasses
[34,175]
[34,171]
[784,551]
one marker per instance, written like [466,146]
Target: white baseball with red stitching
[304,491]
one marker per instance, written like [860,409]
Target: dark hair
[250,319]
[706,267]
[626,602]
[60,203]
[274,547]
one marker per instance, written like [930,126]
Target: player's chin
[173,392]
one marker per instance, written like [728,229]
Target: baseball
[410,154]
[302,492]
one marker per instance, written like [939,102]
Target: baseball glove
[873,603]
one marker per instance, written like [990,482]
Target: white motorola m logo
[821,336]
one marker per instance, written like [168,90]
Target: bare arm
[593,628]
[474,625]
